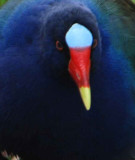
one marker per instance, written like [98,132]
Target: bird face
[75,32]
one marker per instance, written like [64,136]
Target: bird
[67,79]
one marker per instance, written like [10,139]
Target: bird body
[41,112]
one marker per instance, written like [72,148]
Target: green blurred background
[2,2]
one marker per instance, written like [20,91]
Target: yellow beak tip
[86,97]
[87,108]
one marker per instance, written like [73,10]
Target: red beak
[79,69]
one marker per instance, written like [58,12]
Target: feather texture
[41,113]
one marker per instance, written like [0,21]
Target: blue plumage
[41,112]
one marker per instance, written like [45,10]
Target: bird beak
[79,69]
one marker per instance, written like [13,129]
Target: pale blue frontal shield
[78,36]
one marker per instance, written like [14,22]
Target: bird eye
[59,45]
[95,42]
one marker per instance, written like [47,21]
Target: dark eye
[59,45]
[95,42]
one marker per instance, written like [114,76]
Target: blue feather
[41,112]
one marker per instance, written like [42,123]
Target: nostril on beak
[78,76]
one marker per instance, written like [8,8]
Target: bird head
[75,35]
[68,38]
